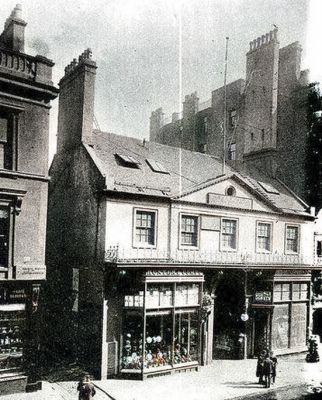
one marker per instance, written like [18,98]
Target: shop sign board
[263,297]
[30,272]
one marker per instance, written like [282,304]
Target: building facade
[161,261]
[25,95]
[265,112]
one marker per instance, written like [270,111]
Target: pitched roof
[126,163]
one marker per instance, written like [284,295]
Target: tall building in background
[26,90]
[266,116]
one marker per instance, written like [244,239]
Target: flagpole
[225,110]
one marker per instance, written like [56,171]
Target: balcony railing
[145,255]
[18,63]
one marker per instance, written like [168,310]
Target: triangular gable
[229,191]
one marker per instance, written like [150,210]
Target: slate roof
[188,172]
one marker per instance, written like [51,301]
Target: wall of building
[209,239]
[74,242]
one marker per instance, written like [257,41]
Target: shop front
[161,324]
[280,314]
[18,301]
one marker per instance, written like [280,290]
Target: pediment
[227,192]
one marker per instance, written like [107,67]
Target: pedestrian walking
[260,366]
[274,360]
[86,389]
[268,371]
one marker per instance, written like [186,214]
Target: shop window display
[186,337]
[158,340]
[132,342]
[171,327]
[11,344]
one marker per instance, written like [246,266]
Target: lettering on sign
[263,297]
[172,273]
[30,272]
[230,201]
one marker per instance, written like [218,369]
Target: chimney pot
[17,12]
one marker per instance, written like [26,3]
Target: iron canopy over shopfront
[161,324]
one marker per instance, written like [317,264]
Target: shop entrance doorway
[261,331]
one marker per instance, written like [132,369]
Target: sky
[136,46]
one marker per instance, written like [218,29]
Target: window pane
[264,236]
[228,237]
[158,341]
[189,230]
[132,341]
[186,338]
[304,291]
[3,130]
[6,141]
[4,236]
[144,230]
[292,238]
[286,291]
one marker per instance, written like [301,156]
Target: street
[289,393]
[224,379]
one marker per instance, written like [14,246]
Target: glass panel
[144,230]
[277,292]
[134,300]
[4,236]
[158,341]
[292,238]
[11,343]
[286,291]
[186,338]
[132,341]
[296,291]
[159,296]
[152,298]
[187,294]
[263,236]
[304,291]
[3,130]
[166,295]
[229,234]
[189,230]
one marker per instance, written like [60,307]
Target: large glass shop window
[132,341]
[186,337]
[171,326]
[158,340]
[11,343]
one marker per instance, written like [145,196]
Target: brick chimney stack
[76,102]
[13,35]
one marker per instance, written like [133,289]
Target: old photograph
[160,199]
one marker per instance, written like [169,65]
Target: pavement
[224,379]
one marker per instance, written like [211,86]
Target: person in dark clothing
[86,389]
[268,371]
[274,360]
[260,367]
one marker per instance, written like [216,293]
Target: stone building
[26,90]
[157,261]
[266,111]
